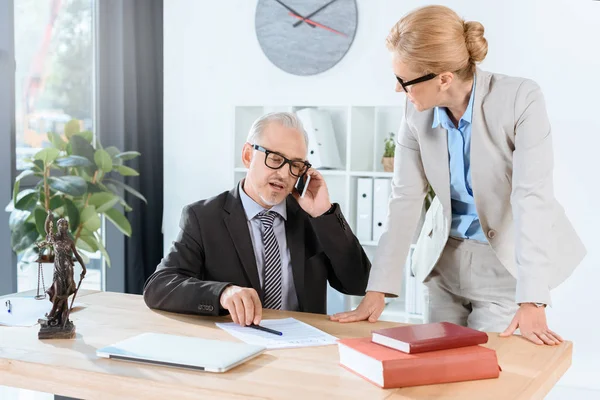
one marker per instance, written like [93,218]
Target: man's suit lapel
[235,221]
[294,233]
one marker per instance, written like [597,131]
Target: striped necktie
[272,261]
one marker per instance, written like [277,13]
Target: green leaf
[87,135]
[27,199]
[103,160]
[71,128]
[82,148]
[72,214]
[47,155]
[17,218]
[128,155]
[16,192]
[113,151]
[23,174]
[17,185]
[127,188]
[103,251]
[103,201]
[73,161]
[57,141]
[87,243]
[90,218]
[126,171]
[94,188]
[56,202]
[119,221]
[40,220]
[39,165]
[23,237]
[117,193]
[71,185]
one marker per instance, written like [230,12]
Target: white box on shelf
[364,209]
[323,151]
[381,194]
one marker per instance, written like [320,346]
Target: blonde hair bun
[476,44]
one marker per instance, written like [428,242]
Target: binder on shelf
[323,151]
[381,194]
[364,209]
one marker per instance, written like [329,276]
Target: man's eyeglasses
[275,160]
[424,78]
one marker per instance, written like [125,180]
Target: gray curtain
[130,116]
[8,260]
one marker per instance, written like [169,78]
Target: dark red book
[388,368]
[428,337]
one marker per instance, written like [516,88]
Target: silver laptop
[182,352]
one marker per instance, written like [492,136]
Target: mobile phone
[302,184]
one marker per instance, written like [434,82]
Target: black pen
[8,305]
[262,328]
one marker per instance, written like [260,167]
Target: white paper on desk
[295,334]
[25,311]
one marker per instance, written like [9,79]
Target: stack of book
[415,355]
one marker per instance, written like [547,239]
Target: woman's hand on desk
[370,308]
[531,321]
[243,304]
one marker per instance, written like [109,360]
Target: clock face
[305,37]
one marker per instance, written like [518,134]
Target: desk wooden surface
[71,367]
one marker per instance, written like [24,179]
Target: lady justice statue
[57,325]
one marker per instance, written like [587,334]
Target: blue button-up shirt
[465,221]
[252,209]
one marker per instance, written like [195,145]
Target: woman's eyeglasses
[424,78]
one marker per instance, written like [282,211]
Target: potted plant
[75,180]
[388,153]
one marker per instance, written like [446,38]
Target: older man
[262,244]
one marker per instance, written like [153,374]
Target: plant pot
[388,164]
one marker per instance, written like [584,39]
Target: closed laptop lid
[181,351]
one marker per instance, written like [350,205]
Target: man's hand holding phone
[316,196]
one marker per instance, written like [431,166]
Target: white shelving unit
[360,132]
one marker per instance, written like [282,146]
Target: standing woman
[495,240]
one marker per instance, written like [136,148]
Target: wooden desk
[71,367]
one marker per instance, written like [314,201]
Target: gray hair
[287,119]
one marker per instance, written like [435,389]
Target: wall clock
[305,37]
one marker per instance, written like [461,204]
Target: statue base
[56,332]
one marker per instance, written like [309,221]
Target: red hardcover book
[388,368]
[428,337]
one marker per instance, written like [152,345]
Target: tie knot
[267,218]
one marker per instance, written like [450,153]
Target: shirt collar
[440,116]
[252,208]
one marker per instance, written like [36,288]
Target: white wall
[213,62]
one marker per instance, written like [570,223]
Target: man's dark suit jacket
[214,250]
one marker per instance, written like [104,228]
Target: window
[54,70]
[54,89]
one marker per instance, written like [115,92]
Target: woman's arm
[532,195]
[409,187]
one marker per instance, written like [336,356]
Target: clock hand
[313,13]
[295,13]
[308,21]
